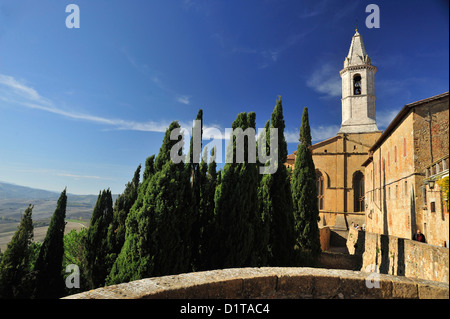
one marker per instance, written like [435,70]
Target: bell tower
[358,90]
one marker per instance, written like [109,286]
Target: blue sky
[83,107]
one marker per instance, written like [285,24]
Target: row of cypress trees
[32,270]
[182,217]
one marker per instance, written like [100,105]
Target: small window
[357,85]
[433,207]
[320,190]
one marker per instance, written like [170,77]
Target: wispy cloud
[323,132]
[384,118]
[326,81]
[17,92]
[55,172]
[154,76]
[318,134]
[183,99]
[267,56]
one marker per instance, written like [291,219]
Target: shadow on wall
[399,256]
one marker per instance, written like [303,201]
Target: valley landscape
[14,199]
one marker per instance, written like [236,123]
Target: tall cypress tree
[197,171]
[236,208]
[122,207]
[304,193]
[96,243]
[49,278]
[207,206]
[157,240]
[15,263]
[276,200]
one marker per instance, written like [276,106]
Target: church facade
[338,160]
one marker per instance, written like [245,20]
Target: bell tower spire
[358,90]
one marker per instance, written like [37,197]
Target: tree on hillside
[96,243]
[276,200]
[15,264]
[236,206]
[304,193]
[48,268]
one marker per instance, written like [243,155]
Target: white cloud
[183,99]
[323,132]
[13,91]
[326,80]
[318,134]
[384,118]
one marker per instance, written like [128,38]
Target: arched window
[357,84]
[358,192]
[320,189]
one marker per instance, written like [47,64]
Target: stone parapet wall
[273,282]
[398,256]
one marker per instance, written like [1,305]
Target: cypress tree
[122,207]
[197,172]
[15,264]
[48,268]
[96,243]
[304,194]
[276,200]
[236,207]
[157,240]
[208,171]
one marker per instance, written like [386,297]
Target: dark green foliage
[276,202]
[305,130]
[48,268]
[122,207]
[96,243]
[207,191]
[197,172]
[236,208]
[158,228]
[304,194]
[75,254]
[15,270]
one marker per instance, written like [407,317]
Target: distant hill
[9,191]
[14,199]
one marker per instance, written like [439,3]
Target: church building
[339,160]
[393,182]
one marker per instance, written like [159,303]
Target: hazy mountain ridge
[14,199]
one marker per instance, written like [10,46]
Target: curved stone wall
[273,282]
